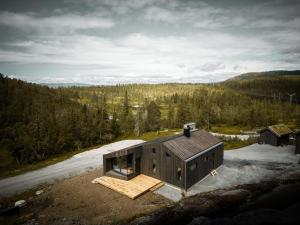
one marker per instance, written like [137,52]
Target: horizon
[82,84]
[138,41]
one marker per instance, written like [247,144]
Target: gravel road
[80,163]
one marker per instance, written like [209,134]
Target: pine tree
[153,117]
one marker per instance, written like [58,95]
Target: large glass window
[123,164]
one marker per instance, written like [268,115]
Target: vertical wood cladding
[267,137]
[167,165]
[173,170]
[201,166]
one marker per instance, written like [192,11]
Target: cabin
[180,160]
[297,142]
[276,135]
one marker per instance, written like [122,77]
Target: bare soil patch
[78,201]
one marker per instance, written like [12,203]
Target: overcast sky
[149,41]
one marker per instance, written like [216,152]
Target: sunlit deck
[132,188]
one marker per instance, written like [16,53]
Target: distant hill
[266,74]
[57,85]
[271,84]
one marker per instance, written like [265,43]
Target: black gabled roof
[187,147]
[162,139]
[182,146]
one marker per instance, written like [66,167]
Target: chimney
[186,131]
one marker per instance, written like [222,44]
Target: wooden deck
[132,188]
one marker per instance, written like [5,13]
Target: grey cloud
[57,23]
[148,40]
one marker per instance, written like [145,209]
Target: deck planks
[131,188]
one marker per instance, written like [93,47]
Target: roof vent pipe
[186,131]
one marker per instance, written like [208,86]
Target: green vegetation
[235,143]
[275,85]
[16,169]
[41,125]
[227,129]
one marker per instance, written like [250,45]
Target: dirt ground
[78,201]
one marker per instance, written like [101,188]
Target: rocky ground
[271,202]
[78,201]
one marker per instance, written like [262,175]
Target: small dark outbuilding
[297,142]
[276,135]
[181,160]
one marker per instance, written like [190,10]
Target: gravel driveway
[80,163]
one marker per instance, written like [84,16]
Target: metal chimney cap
[191,126]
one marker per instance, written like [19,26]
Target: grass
[227,129]
[14,169]
[150,135]
[234,144]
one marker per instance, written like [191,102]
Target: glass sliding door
[123,164]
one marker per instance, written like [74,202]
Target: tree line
[37,122]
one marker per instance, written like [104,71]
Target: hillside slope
[271,84]
[37,122]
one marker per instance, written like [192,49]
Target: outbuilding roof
[279,130]
[187,147]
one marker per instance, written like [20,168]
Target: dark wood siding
[169,168]
[267,137]
[147,160]
[283,140]
[201,166]
[166,166]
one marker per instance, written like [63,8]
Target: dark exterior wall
[166,166]
[135,150]
[284,140]
[297,144]
[201,166]
[169,168]
[147,160]
[267,137]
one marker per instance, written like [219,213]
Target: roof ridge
[275,129]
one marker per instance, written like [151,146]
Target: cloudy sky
[149,41]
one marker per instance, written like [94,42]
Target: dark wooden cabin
[181,160]
[297,142]
[276,135]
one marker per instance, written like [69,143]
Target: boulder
[20,203]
